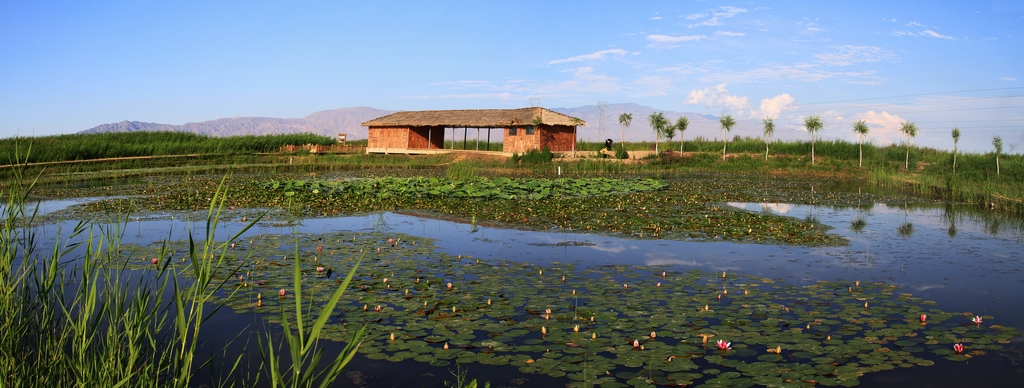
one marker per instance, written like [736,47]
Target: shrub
[537,157]
[621,153]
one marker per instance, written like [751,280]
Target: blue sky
[69,66]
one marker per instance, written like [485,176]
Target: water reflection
[966,260]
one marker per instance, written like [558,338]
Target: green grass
[129,144]
[931,173]
[74,315]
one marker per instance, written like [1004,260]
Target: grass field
[930,174]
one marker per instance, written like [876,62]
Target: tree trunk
[725,143]
[954,160]
[766,150]
[997,164]
[812,147]
[861,163]
[906,164]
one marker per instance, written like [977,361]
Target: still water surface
[965,260]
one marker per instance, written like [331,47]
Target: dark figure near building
[608,144]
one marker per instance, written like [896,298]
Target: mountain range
[346,120]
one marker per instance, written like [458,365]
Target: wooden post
[465,138]
[488,139]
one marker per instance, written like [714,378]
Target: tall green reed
[74,315]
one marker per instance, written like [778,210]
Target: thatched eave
[474,118]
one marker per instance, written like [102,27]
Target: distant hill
[328,123]
[346,120]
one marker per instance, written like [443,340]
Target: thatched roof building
[473,118]
[426,129]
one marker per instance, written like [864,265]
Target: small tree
[669,131]
[956,139]
[910,130]
[681,124]
[657,121]
[861,129]
[813,125]
[624,120]
[997,142]
[769,130]
[727,122]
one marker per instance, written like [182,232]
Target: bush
[514,160]
[621,153]
[537,157]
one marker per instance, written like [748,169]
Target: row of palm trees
[813,124]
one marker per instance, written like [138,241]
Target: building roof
[473,118]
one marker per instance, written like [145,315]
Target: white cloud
[914,24]
[798,72]
[934,34]
[659,41]
[710,22]
[656,17]
[583,81]
[928,33]
[849,54]
[729,33]
[590,57]
[884,126]
[772,107]
[729,11]
[723,12]
[717,97]
[1007,79]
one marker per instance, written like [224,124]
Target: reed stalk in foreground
[74,315]
[304,344]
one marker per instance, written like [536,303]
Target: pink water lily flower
[976,320]
[722,345]
[958,348]
[319,269]
[924,318]
[636,343]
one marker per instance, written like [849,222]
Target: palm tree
[769,129]
[624,120]
[997,142]
[727,122]
[861,129]
[909,129]
[681,124]
[657,121]
[813,124]
[956,139]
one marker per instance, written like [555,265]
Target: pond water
[965,260]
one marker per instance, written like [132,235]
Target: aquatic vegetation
[612,324]
[469,187]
